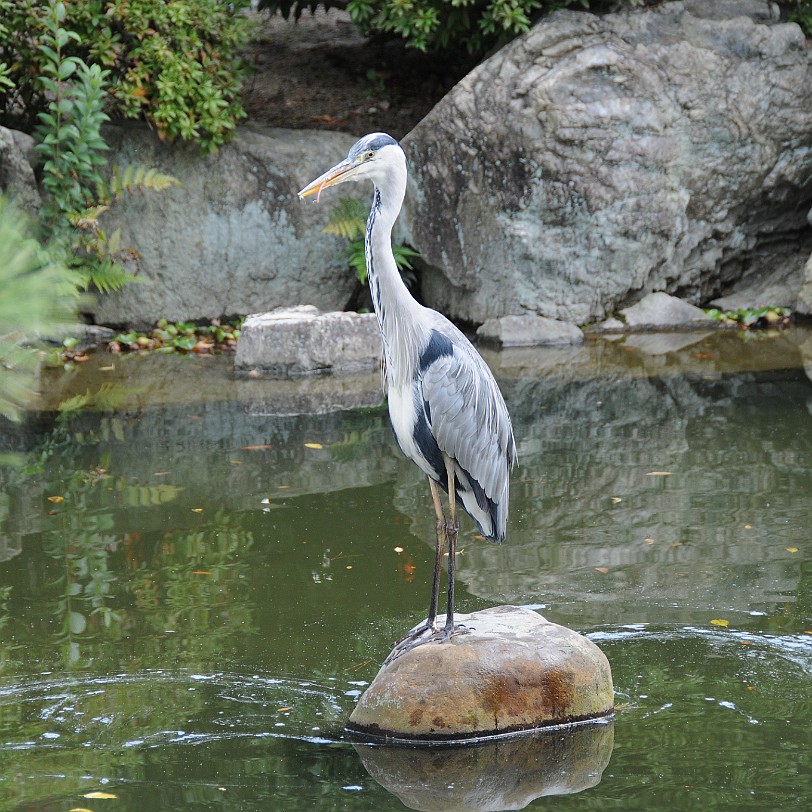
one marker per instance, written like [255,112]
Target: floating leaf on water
[348,567]
[659,473]
[616,499]
[649,540]
[254,447]
[398,549]
[56,499]
[602,570]
[314,445]
[99,795]
[748,527]
[280,710]
[792,549]
[201,572]
[197,510]
[80,809]
[720,622]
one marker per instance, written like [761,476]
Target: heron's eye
[370,154]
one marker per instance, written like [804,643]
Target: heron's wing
[468,417]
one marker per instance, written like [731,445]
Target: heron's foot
[447,632]
[422,635]
[412,638]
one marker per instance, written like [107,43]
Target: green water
[168,637]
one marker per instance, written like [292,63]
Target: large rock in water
[512,671]
[233,238]
[298,340]
[596,159]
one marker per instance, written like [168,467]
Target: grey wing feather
[469,419]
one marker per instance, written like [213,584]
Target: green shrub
[69,129]
[450,25]
[800,11]
[174,63]
[72,149]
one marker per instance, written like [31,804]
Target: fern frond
[104,274]
[347,219]
[133,178]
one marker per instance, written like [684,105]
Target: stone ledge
[301,340]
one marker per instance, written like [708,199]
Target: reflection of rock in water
[506,774]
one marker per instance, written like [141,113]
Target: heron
[447,412]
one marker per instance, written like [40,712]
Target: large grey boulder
[596,159]
[17,157]
[804,303]
[233,237]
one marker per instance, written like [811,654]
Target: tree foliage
[474,26]
[175,64]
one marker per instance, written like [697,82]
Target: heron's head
[377,157]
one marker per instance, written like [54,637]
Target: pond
[198,578]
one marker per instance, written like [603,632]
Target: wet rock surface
[513,670]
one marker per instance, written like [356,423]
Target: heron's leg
[413,638]
[451,532]
[438,555]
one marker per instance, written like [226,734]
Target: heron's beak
[338,174]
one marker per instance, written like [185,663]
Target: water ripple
[157,707]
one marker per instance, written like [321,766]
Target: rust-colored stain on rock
[557,690]
[415,716]
[527,695]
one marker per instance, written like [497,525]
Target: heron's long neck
[394,305]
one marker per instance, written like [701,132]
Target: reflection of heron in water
[447,412]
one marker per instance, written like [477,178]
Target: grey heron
[447,412]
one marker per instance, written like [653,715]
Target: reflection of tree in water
[192,584]
[104,578]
